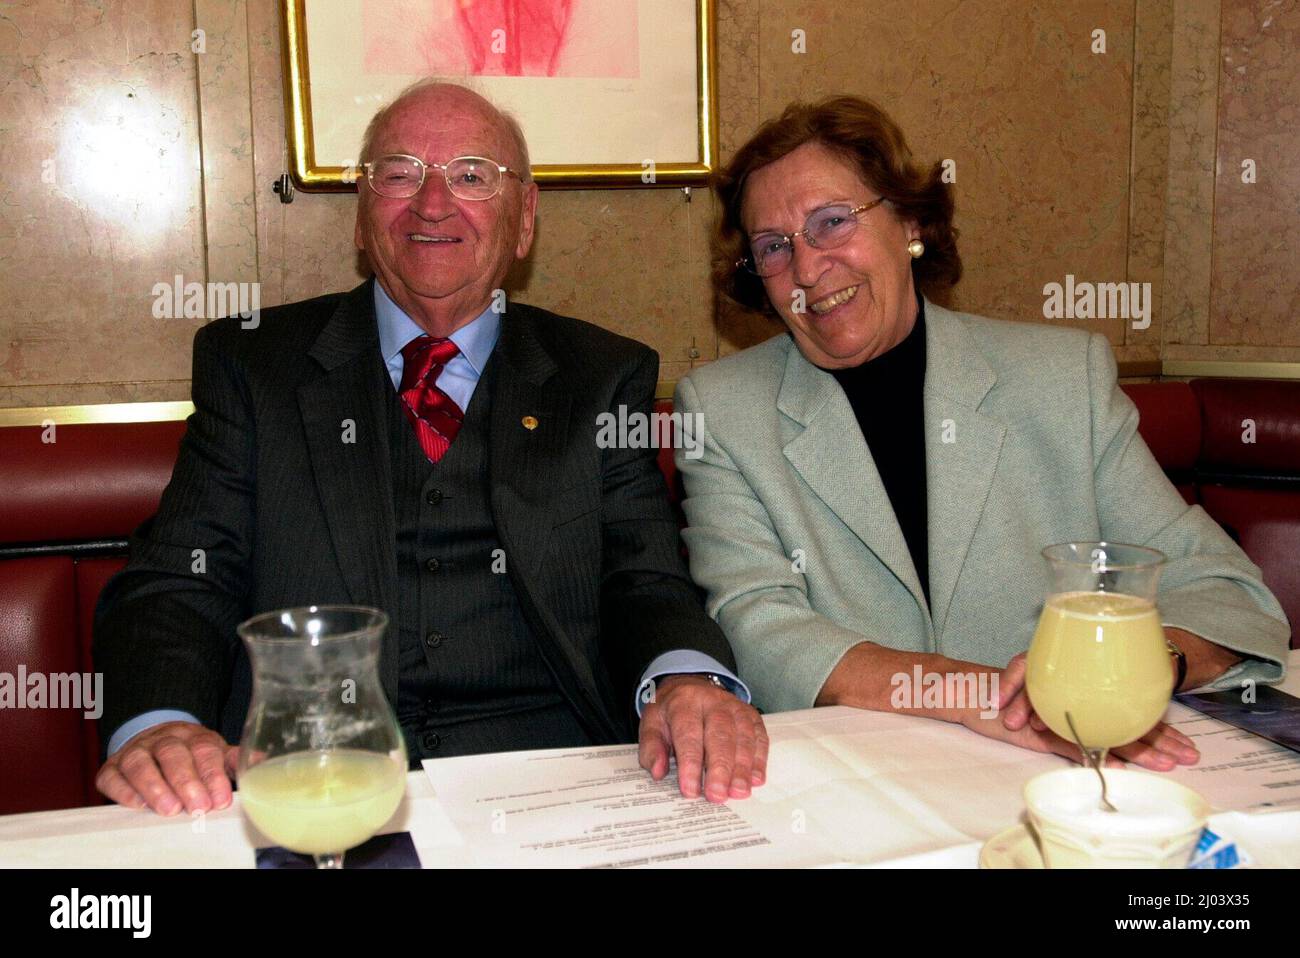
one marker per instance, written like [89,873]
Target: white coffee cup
[1157,825]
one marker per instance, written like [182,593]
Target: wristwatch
[1181,658]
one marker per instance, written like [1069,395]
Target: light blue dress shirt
[458,379]
[460,376]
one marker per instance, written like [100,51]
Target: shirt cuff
[133,727]
[684,661]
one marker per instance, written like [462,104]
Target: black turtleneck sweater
[886,394]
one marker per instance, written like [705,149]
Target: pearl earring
[916,248]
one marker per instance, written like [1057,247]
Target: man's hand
[1160,750]
[711,731]
[170,767]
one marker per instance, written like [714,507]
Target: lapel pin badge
[530,422]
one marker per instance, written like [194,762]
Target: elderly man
[422,446]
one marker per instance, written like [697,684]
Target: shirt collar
[475,339]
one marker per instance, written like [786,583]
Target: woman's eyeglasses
[826,228]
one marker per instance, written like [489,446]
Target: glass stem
[333,860]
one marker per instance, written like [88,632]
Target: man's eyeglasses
[398,176]
[826,228]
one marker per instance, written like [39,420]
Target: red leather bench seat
[67,508]
[1248,475]
[1171,426]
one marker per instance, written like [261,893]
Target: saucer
[1014,847]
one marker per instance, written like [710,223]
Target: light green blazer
[1029,441]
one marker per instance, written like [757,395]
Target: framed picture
[610,93]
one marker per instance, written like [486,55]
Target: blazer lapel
[962,448]
[353,478]
[832,457]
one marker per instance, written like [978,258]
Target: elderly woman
[876,486]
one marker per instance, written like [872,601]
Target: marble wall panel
[139,160]
[229,214]
[1232,354]
[1255,292]
[1149,173]
[1037,124]
[1189,201]
[740,70]
[100,152]
[77,394]
[304,248]
[634,261]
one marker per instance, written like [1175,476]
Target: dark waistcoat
[471,675]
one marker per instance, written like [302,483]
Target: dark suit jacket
[286,513]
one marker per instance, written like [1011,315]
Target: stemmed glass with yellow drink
[322,761]
[1098,671]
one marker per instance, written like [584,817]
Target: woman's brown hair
[864,135]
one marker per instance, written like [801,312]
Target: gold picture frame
[311,176]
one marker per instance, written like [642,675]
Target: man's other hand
[170,767]
[715,736]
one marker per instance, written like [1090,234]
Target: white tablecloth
[912,792]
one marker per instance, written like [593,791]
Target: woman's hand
[1160,750]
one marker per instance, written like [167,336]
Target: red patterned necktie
[433,413]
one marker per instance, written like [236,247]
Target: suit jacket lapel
[962,447]
[832,457]
[353,479]
[525,466]
[526,470]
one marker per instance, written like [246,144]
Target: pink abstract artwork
[518,38]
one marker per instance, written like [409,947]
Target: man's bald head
[439,256]
[440,95]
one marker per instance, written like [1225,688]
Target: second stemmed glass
[1099,671]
